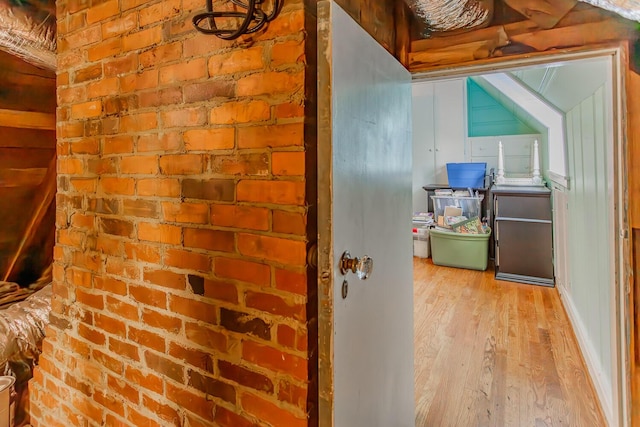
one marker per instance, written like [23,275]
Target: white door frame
[622,272]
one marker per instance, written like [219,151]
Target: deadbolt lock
[362,267]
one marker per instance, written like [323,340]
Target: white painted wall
[590,235]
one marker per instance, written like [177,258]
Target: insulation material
[28,30]
[629,9]
[22,328]
[448,15]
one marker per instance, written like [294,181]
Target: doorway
[327,327]
[588,260]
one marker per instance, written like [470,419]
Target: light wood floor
[495,353]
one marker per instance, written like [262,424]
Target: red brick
[184,71]
[111,285]
[293,394]
[289,222]
[121,186]
[139,165]
[214,240]
[187,260]
[124,349]
[285,251]
[241,163]
[209,139]
[90,299]
[291,281]
[121,308]
[86,146]
[165,412]
[147,380]
[285,135]
[270,83]
[289,52]
[184,117]
[288,163]
[142,252]
[165,278]
[161,321]
[148,339]
[270,412]
[274,359]
[192,356]
[195,309]
[139,122]
[164,366]
[225,417]
[86,110]
[196,213]
[182,164]
[247,217]
[205,337]
[161,54]
[286,336]
[276,192]
[123,389]
[160,97]
[161,233]
[166,142]
[190,401]
[110,325]
[102,11]
[275,304]
[124,65]
[160,187]
[159,12]
[143,80]
[140,207]
[107,361]
[220,290]
[127,269]
[142,39]
[289,110]
[247,59]
[245,271]
[91,72]
[119,25]
[105,49]
[148,295]
[120,144]
[240,112]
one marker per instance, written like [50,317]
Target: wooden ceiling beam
[27,119]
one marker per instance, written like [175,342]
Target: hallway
[495,353]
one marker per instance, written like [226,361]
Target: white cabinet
[439,131]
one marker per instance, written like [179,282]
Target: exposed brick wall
[180,279]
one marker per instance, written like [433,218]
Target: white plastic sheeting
[629,9]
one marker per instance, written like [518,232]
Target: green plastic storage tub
[460,250]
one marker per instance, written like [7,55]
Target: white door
[364,185]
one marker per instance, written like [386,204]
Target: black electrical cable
[254,19]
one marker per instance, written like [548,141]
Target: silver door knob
[363,267]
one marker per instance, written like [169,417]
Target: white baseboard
[602,386]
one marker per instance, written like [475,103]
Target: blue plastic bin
[466,175]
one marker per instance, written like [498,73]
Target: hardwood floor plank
[495,353]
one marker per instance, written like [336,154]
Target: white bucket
[6,409]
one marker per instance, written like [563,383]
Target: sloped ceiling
[28,30]
[451,15]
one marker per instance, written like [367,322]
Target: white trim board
[589,356]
